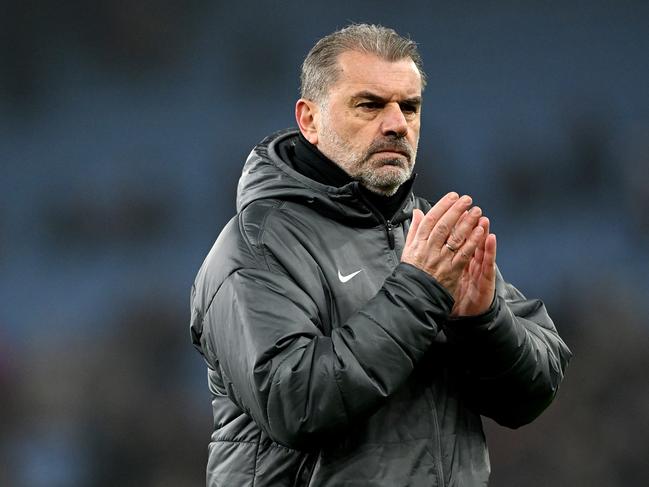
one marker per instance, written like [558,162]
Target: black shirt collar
[305,158]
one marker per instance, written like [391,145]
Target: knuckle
[442,227]
[454,239]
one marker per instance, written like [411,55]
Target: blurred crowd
[123,129]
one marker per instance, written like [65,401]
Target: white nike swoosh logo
[348,276]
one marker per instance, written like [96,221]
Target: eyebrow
[368,95]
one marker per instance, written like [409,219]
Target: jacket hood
[266,176]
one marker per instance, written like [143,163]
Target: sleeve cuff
[438,292]
[468,329]
[480,319]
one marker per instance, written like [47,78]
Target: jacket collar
[266,176]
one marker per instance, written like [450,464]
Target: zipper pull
[388,228]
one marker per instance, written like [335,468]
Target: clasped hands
[452,243]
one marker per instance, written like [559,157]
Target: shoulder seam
[258,246]
[262,227]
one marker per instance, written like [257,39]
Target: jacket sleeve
[263,334]
[512,357]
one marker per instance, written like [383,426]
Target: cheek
[413,136]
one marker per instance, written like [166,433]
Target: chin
[385,182]
[392,174]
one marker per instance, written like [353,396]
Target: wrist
[479,315]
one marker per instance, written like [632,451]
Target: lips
[393,152]
[391,147]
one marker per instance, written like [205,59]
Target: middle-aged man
[353,332]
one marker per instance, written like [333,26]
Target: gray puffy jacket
[331,363]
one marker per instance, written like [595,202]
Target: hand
[477,286]
[443,241]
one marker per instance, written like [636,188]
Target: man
[354,333]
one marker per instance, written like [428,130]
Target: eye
[409,108]
[370,105]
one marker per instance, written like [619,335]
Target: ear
[306,115]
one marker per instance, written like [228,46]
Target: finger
[464,227]
[417,217]
[464,215]
[478,255]
[484,222]
[434,214]
[489,260]
[447,221]
[478,258]
[475,266]
[479,252]
[468,249]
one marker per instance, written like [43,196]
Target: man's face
[369,123]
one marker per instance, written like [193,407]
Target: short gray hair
[320,68]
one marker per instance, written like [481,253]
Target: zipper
[438,439]
[388,229]
[386,223]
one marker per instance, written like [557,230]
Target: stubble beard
[382,175]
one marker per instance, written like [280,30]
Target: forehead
[362,71]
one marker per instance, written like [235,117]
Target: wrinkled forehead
[358,71]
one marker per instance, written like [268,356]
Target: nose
[394,122]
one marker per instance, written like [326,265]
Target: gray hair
[320,68]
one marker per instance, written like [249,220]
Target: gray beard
[386,185]
[355,165]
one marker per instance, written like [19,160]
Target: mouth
[394,152]
[392,157]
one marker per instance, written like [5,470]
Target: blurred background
[123,130]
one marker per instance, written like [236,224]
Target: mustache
[400,145]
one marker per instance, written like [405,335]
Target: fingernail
[453,195]
[476,211]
